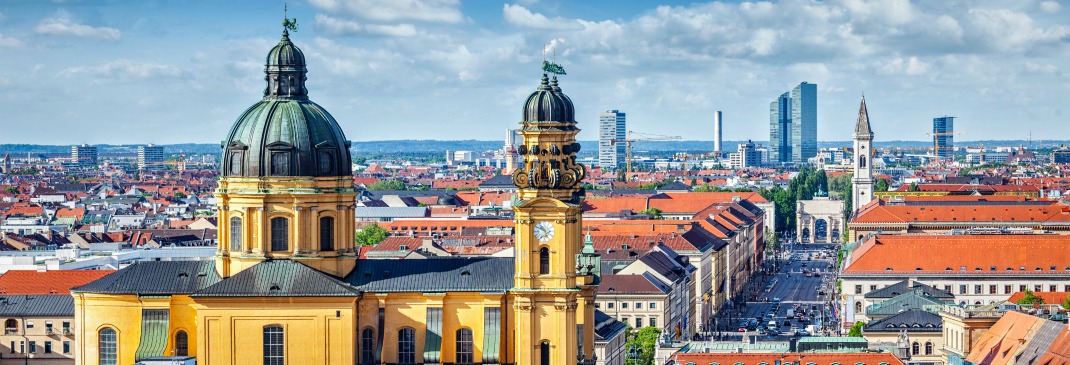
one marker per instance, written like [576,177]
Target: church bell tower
[862,184]
[555,281]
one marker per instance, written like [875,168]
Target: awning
[154,326]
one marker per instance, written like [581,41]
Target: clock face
[544,231]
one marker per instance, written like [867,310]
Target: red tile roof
[627,284]
[969,210]
[30,282]
[868,358]
[999,344]
[1022,254]
[1050,297]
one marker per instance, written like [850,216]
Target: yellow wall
[94,312]
[301,200]
[318,330]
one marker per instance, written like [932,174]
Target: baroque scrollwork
[548,168]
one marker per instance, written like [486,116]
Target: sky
[182,71]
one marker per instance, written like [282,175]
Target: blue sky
[182,71]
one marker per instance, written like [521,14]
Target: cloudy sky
[179,71]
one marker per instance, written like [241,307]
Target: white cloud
[1050,6]
[910,66]
[6,41]
[64,26]
[337,26]
[522,17]
[125,70]
[431,11]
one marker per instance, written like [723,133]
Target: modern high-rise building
[793,125]
[149,157]
[717,134]
[84,155]
[611,125]
[943,137]
[746,155]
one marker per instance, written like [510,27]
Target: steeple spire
[862,125]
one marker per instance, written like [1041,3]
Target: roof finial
[287,23]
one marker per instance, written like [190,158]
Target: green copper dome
[286,134]
[549,104]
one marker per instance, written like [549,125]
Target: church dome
[549,104]
[286,134]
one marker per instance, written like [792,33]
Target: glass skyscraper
[943,137]
[793,125]
[611,125]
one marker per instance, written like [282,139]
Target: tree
[387,185]
[370,235]
[882,185]
[652,212]
[856,330]
[1066,303]
[914,186]
[12,189]
[1030,298]
[646,339]
[180,195]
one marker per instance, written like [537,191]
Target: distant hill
[435,146]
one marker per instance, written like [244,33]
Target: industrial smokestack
[717,133]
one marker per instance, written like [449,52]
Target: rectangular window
[66,347]
[977,289]
[858,289]
[235,234]
[1006,289]
[274,347]
[48,347]
[29,324]
[638,305]
[947,288]
[280,234]
[597,305]
[12,347]
[872,287]
[1021,288]
[623,305]
[326,234]
[33,347]
[962,289]
[1051,287]
[653,322]
[638,322]
[1066,288]
[1038,288]
[609,305]
[654,305]
[992,289]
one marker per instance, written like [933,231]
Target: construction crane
[936,140]
[636,136]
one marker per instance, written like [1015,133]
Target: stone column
[263,239]
[298,229]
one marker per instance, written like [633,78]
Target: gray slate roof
[390,212]
[499,181]
[278,278]
[606,327]
[36,306]
[156,278]
[901,287]
[434,275]
[905,301]
[914,320]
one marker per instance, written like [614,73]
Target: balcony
[67,331]
[11,331]
[50,331]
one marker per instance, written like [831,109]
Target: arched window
[326,234]
[280,163]
[280,234]
[367,346]
[465,354]
[11,327]
[915,349]
[406,346]
[928,348]
[544,261]
[274,345]
[858,307]
[326,162]
[181,343]
[235,234]
[862,161]
[107,346]
[544,353]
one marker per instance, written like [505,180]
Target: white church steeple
[862,189]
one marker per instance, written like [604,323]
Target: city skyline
[170,68]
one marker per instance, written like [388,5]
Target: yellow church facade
[287,286]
